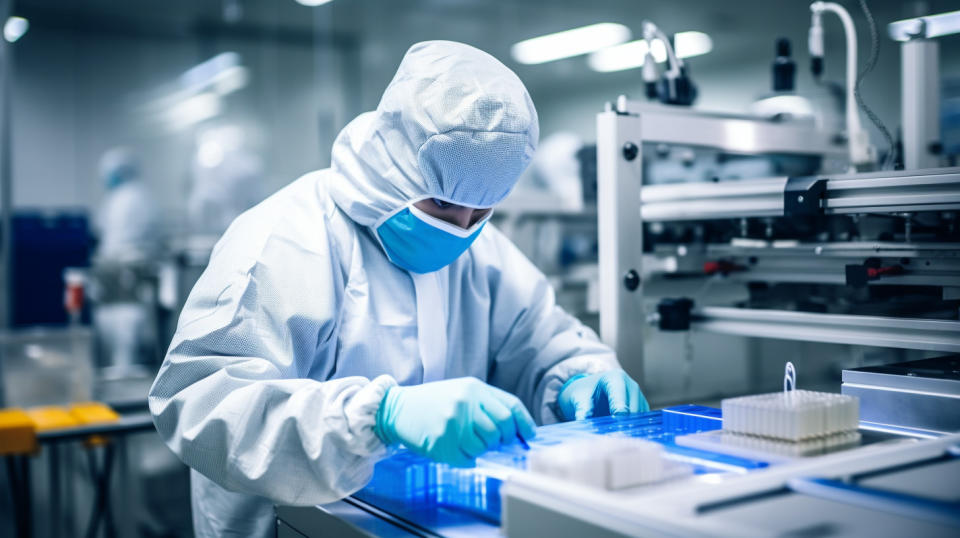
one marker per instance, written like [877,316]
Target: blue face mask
[420,243]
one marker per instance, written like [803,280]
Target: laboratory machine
[782,463]
[846,256]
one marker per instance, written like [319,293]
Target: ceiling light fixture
[567,43]
[14,28]
[631,55]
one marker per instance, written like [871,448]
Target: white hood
[454,124]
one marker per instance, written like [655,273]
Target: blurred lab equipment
[784,102]
[44,245]
[227,180]
[674,86]
[862,152]
[557,169]
[920,105]
[46,366]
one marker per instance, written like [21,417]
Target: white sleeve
[537,345]
[234,399]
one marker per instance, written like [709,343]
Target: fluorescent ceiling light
[14,28]
[207,73]
[631,55]
[193,110]
[575,42]
[689,44]
[230,80]
[312,3]
[626,56]
[210,154]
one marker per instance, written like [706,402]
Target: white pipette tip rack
[795,415]
[792,423]
[791,415]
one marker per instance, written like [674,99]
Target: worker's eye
[441,204]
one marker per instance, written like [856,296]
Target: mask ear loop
[789,378]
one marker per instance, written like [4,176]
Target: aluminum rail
[925,27]
[936,189]
[903,333]
[923,264]
[731,133]
[704,201]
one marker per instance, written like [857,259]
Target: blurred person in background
[128,220]
[130,231]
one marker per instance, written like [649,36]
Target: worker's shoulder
[496,256]
[298,215]
[493,245]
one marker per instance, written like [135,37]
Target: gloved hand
[452,421]
[598,395]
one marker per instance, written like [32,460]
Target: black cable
[101,505]
[56,517]
[27,506]
[871,63]
[110,528]
[96,511]
[16,495]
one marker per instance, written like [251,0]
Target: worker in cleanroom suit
[128,220]
[369,304]
[130,229]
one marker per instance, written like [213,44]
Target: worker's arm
[537,347]
[232,399]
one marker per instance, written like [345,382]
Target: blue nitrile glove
[598,395]
[452,421]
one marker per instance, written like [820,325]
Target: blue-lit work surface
[436,496]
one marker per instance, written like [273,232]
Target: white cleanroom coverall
[300,324]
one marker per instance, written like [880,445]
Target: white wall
[75,96]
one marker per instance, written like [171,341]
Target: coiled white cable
[861,152]
[789,378]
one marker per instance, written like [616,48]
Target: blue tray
[406,483]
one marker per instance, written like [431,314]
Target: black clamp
[674,313]
[802,196]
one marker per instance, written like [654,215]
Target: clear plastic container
[46,366]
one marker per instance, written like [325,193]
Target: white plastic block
[607,462]
[766,448]
[807,447]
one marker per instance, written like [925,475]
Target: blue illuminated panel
[407,484]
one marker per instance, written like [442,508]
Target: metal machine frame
[623,207]
[920,81]
[701,506]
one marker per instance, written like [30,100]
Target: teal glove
[598,395]
[452,421]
